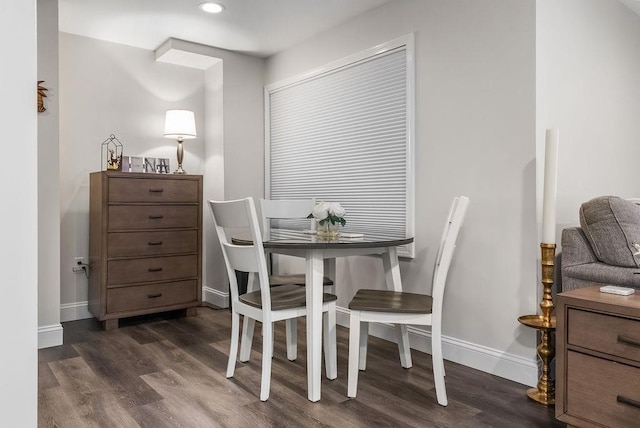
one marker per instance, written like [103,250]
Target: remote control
[614,289]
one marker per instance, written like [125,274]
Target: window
[345,133]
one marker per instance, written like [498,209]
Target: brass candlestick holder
[545,391]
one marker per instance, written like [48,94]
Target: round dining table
[320,255]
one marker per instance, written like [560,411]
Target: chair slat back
[445,251]
[235,217]
[242,257]
[287,210]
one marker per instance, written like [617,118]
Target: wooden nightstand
[145,244]
[598,358]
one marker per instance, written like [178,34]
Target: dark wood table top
[284,238]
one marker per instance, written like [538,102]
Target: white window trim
[406,41]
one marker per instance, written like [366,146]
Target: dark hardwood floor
[169,371]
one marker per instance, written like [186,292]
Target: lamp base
[180,155]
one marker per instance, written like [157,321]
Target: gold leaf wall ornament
[41,96]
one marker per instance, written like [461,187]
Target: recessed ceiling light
[211,7]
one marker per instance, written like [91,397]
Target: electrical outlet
[78,265]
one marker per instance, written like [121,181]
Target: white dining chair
[407,308]
[285,214]
[289,214]
[267,304]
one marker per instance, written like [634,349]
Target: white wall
[235,142]
[589,88]
[18,212]
[475,136]
[49,327]
[214,284]
[244,126]
[107,88]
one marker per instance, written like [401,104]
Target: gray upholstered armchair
[605,249]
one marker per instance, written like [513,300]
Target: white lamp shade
[180,124]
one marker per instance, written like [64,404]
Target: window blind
[344,135]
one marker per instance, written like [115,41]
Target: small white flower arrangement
[328,213]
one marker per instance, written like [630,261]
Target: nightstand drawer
[151,296]
[128,217]
[151,269]
[602,391]
[604,333]
[125,244]
[152,190]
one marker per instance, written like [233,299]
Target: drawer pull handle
[156,190]
[629,401]
[628,340]
[153,296]
[155,243]
[155,269]
[156,217]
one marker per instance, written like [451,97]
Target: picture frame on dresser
[150,165]
[145,244]
[147,165]
[162,166]
[136,164]
[126,164]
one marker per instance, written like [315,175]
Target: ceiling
[255,27]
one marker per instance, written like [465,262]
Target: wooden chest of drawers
[145,244]
[598,359]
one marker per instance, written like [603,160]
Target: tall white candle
[550,187]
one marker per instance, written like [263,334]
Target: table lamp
[181,125]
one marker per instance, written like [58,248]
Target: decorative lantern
[111,158]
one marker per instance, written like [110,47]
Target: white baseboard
[215,297]
[74,311]
[49,335]
[498,363]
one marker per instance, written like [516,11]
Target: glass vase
[327,231]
